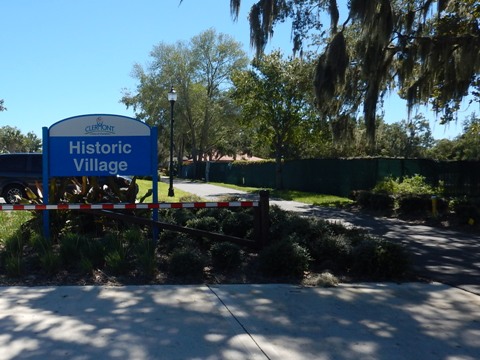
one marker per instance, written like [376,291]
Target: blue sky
[62,58]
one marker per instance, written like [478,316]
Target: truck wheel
[12,192]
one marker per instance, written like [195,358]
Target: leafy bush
[217,213]
[380,201]
[186,261]
[414,204]
[284,258]
[379,258]
[334,250]
[171,240]
[284,223]
[412,195]
[388,185]
[415,184]
[226,256]
[207,223]
[237,224]
[467,211]
[177,216]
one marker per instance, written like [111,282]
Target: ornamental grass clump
[117,254]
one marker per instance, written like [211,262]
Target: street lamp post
[172,97]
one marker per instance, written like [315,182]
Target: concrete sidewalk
[361,321]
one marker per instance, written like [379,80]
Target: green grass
[145,185]
[294,195]
[10,222]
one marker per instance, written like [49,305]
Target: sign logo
[99,128]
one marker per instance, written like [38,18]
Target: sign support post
[45,181]
[154,156]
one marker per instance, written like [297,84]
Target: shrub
[171,240]
[284,258]
[364,257]
[388,185]
[414,204]
[278,219]
[283,224]
[177,216]
[190,198]
[467,211]
[237,224]
[392,260]
[380,258]
[206,223]
[226,256]
[379,201]
[332,249]
[217,213]
[415,184]
[186,261]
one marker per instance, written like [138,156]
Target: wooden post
[262,219]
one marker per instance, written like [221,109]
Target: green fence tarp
[342,176]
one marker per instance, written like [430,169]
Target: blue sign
[100,145]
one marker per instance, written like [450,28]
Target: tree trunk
[278,167]
[370,114]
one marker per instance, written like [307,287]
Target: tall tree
[426,49]
[275,103]
[12,140]
[408,138]
[200,71]
[465,146]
